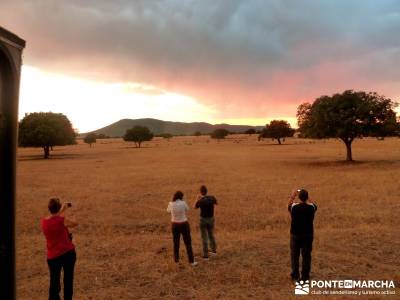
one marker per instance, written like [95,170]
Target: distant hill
[119,128]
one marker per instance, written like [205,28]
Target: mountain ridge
[118,129]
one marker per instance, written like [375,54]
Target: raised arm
[68,221]
[197,204]
[62,210]
[313,204]
[292,197]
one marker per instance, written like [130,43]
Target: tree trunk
[46,151]
[349,155]
[279,141]
[139,144]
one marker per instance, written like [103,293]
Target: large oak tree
[347,116]
[46,130]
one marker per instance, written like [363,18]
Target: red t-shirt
[57,237]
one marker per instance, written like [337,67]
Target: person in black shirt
[206,204]
[301,233]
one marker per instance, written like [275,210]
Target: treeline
[344,116]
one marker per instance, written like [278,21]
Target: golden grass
[124,246]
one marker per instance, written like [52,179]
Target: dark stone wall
[10,67]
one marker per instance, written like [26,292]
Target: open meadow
[124,246]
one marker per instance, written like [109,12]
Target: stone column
[11,47]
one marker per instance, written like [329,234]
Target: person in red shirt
[61,253]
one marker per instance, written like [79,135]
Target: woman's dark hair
[203,190]
[54,205]
[303,195]
[177,196]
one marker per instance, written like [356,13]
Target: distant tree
[102,136]
[250,131]
[46,130]
[348,116]
[384,129]
[166,136]
[197,133]
[398,126]
[138,134]
[277,130]
[90,139]
[219,133]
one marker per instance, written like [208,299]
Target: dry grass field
[124,245]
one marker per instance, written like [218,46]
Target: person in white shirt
[180,225]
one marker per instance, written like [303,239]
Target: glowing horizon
[87,103]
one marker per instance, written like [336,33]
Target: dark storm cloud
[267,54]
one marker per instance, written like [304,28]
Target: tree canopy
[219,133]
[347,116]
[138,134]
[45,129]
[90,139]
[277,130]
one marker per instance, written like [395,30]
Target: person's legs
[204,236]
[176,234]
[295,255]
[188,241]
[306,257]
[210,231]
[68,266]
[55,274]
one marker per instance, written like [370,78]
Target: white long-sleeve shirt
[178,211]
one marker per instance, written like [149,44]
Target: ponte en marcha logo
[345,287]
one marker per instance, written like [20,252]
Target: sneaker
[195,263]
[305,278]
[213,253]
[205,258]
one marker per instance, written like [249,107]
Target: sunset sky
[242,62]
